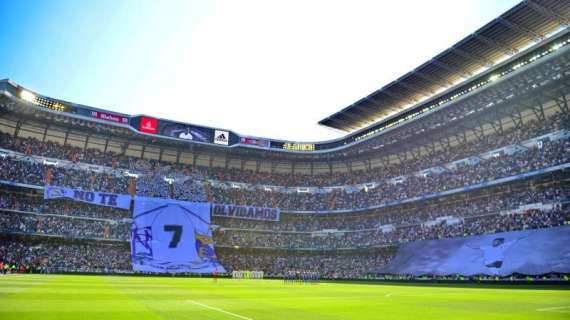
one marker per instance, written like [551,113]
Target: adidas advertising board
[221,137]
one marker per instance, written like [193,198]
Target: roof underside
[527,23]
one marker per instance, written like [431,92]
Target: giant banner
[169,236]
[245,212]
[529,252]
[107,199]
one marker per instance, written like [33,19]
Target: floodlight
[28,96]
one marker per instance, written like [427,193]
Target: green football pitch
[115,297]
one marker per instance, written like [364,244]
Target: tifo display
[172,236]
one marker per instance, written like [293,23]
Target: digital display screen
[148,125]
[254,142]
[186,131]
[298,146]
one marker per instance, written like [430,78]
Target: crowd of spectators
[523,86]
[491,212]
[165,182]
[494,201]
[189,187]
[266,246]
[41,224]
[36,204]
[158,170]
[48,256]
[550,154]
[50,149]
[509,136]
[34,173]
[53,256]
[186,184]
[333,265]
[475,225]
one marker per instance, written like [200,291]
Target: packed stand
[509,136]
[551,154]
[49,256]
[531,219]
[41,224]
[36,204]
[189,187]
[494,201]
[330,266]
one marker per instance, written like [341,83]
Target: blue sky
[264,68]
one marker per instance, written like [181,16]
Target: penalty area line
[555,309]
[219,310]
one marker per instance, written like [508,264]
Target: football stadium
[447,197]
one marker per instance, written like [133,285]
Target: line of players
[301,277]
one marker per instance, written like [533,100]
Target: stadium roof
[526,24]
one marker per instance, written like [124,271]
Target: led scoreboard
[299,146]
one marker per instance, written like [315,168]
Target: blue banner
[114,200]
[245,212]
[528,252]
[169,236]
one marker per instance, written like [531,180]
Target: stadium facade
[472,142]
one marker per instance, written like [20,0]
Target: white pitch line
[219,310]
[555,309]
[396,294]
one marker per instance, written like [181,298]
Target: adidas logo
[221,137]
